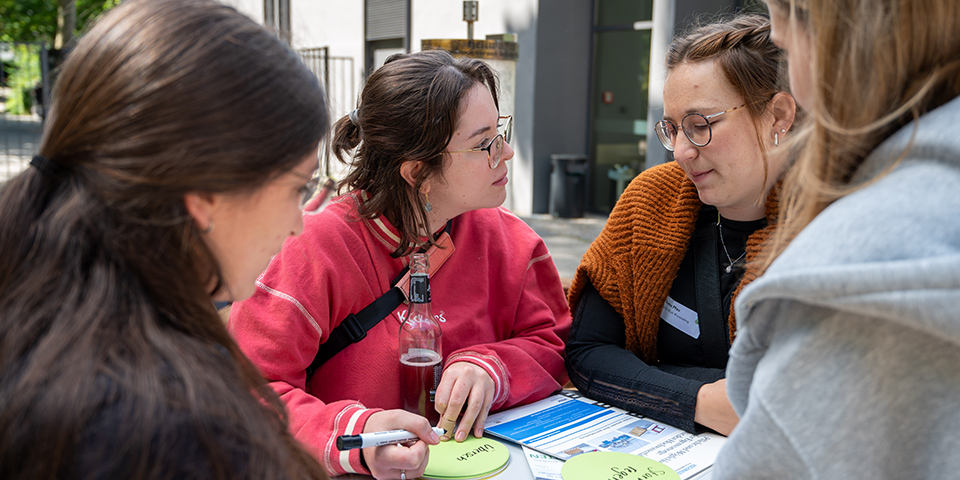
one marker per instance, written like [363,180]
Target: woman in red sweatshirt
[432,150]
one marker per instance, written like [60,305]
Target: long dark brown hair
[408,111]
[110,346]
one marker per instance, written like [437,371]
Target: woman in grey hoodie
[847,359]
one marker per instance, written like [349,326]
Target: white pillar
[664,13]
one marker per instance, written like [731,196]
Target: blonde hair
[875,66]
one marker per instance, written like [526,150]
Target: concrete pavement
[19,140]
[567,239]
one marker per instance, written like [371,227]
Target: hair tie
[353,118]
[46,166]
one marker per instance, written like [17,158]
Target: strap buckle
[352,329]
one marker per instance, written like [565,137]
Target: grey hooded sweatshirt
[847,357]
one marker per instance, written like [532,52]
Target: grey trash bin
[568,185]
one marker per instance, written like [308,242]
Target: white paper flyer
[567,424]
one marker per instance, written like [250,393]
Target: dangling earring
[776,139]
[427,206]
[209,228]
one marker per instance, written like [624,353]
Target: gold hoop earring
[209,228]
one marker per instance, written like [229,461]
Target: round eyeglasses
[695,126]
[494,149]
[317,186]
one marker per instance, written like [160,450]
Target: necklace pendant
[729,268]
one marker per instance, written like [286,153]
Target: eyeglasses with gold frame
[494,149]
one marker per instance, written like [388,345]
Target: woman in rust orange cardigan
[652,297]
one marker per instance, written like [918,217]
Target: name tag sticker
[681,317]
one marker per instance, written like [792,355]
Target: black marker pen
[378,439]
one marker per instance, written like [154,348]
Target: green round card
[615,466]
[473,458]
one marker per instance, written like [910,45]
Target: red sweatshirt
[498,299]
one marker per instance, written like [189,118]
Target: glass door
[621,67]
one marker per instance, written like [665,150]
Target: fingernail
[433,437]
[461,436]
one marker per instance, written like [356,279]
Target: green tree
[41,21]
[24,74]
[53,23]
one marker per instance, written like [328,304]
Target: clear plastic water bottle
[421,352]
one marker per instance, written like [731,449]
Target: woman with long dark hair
[170,169]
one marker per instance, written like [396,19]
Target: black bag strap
[355,327]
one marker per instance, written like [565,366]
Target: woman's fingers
[389,461]
[482,418]
[465,388]
[476,404]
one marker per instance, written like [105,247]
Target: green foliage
[36,20]
[23,78]
[28,20]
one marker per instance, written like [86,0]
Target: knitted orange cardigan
[635,259]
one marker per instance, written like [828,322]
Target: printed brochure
[567,424]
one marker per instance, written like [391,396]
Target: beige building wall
[339,25]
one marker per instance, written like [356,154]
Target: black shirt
[601,367]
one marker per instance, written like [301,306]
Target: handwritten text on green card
[473,458]
[615,466]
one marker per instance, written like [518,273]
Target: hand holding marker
[379,439]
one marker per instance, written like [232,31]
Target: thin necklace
[730,266]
